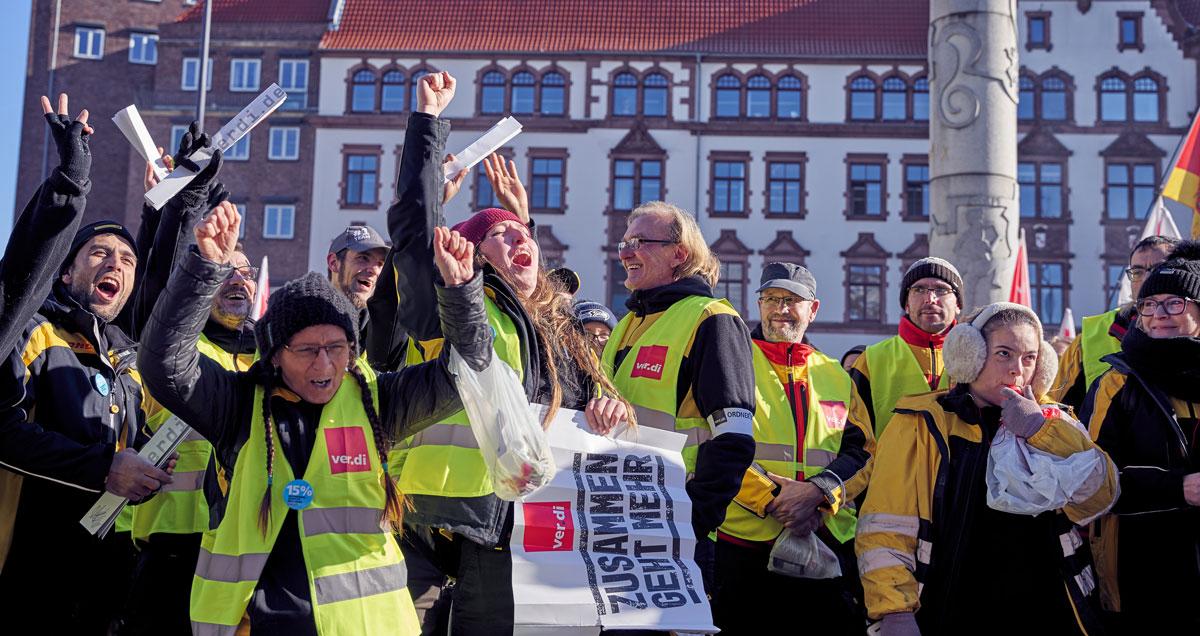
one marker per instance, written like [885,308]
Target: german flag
[1183,184]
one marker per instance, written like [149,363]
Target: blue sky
[14,32]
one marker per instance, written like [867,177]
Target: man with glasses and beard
[911,362]
[812,439]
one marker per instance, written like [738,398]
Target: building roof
[260,11]
[816,28]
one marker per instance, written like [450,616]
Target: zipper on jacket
[935,378]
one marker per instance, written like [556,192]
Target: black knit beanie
[85,234]
[301,303]
[1176,276]
[931,267]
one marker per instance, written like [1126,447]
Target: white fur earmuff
[965,349]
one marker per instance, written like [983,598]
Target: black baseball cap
[360,238]
[789,276]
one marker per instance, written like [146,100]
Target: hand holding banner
[489,142]
[129,121]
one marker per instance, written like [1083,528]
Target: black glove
[74,154]
[217,192]
[192,141]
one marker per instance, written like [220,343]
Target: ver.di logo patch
[649,362]
[347,450]
[548,526]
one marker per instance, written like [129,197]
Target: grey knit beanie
[931,267]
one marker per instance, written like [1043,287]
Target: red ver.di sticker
[835,414]
[649,362]
[548,526]
[347,450]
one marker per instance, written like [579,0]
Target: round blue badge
[100,383]
[298,494]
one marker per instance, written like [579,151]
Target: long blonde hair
[700,260]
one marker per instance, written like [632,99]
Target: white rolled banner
[489,142]
[232,132]
[130,123]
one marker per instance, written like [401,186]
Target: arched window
[362,92]
[862,98]
[729,96]
[1112,99]
[895,99]
[624,94]
[413,82]
[522,92]
[758,97]
[554,94]
[1025,110]
[392,92]
[921,99]
[1054,99]
[654,95]
[788,97]
[1145,99]
[491,95]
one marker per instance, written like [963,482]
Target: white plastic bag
[511,439]
[1024,480]
[805,557]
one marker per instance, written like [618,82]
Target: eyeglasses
[248,273]
[1173,306]
[938,292]
[635,244]
[780,301]
[309,353]
[1135,274]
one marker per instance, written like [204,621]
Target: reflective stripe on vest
[894,373]
[775,439]
[180,508]
[444,460]
[649,375]
[1096,343]
[356,572]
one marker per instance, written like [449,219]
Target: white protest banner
[103,514]
[490,142]
[230,134]
[608,544]
[129,121]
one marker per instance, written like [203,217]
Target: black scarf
[1171,364]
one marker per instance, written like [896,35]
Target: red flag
[1019,291]
[1183,182]
[260,296]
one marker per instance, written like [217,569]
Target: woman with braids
[303,543]
[457,522]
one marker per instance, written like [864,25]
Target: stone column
[974,207]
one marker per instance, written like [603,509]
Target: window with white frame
[239,151]
[143,48]
[279,221]
[89,42]
[293,78]
[177,133]
[243,74]
[285,143]
[189,75]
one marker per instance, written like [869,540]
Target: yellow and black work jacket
[1144,412]
[1082,363]
[802,395]
[683,359]
[72,398]
[927,541]
[905,364]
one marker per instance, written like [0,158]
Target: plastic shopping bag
[1024,480]
[511,439]
[805,557]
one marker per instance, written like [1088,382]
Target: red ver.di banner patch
[649,362]
[347,450]
[835,414]
[548,526]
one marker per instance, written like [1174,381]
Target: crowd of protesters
[885,455]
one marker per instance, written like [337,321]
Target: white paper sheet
[490,142]
[129,121]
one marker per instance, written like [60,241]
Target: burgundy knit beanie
[474,228]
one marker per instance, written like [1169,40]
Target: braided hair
[264,508]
